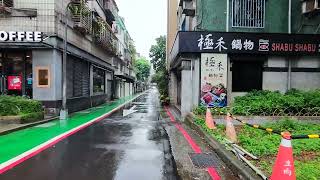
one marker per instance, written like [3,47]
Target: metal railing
[6,3]
[6,6]
[106,38]
[82,17]
[248,14]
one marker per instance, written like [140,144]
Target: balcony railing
[105,37]
[6,6]
[82,17]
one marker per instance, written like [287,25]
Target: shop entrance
[247,73]
[16,73]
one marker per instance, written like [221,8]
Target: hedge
[16,105]
[294,102]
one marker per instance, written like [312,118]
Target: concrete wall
[171,24]
[52,59]
[195,77]
[275,81]
[186,92]
[44,22]
[306,80]
[173,88]
[127,89]
[211,15]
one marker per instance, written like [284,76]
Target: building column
[52,60]
[173,88]
[186,88]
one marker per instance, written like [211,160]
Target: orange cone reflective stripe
[284,166]
[209,120]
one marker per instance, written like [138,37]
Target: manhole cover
[203,160]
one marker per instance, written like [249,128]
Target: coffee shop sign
[14,36]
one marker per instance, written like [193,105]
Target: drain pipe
[227,17]
[191,69]
[289,61]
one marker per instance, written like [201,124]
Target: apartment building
[31,49]
[227,48]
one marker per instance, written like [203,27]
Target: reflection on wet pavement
[131,147]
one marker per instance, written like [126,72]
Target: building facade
[31,49]
[227,48]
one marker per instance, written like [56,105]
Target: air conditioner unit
[309,6]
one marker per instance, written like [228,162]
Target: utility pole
[64,110]
[289,60]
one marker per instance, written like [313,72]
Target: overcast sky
[145,21]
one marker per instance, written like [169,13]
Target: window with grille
[248,13]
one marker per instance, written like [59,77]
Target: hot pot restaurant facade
[211,68]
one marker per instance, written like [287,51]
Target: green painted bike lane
[16,143]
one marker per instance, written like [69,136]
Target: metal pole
[289,17]
[227,17]
[289,60]
[64,110]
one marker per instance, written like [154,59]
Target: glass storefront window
[16,72]
[99,80]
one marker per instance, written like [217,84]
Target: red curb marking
[211,170]
[28,156]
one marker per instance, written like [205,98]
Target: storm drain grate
[203,160]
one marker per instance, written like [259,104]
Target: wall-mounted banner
[14,36]
[214,70]
[258,43]
[14,82]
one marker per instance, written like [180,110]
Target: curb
[27,126]
[40,122]
[229,159]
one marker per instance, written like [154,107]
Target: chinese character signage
[14,82]
[258,43]
[214,69]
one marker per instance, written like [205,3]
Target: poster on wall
[14,82]
[214,69]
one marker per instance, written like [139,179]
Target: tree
[142,67]
[133,51]
[158,60]
[158,54]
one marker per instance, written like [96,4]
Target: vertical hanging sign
[214,69]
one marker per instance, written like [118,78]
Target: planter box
[10,119]
[22,119]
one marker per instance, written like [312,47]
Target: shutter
[77,80]
[69,77]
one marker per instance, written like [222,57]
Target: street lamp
[64,110]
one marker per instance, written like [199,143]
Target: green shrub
[275,103]
[16,105]
[32,117]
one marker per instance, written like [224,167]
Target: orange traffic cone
[209,120]
[230,130]
[284,166]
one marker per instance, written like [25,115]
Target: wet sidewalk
[186,144]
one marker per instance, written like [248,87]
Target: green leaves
[158,60]
[275,103]
[16,105]
[142,67]
[158,54]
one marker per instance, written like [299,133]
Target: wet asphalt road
[133,147]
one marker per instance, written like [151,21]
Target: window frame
[246,21]
[38,68]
